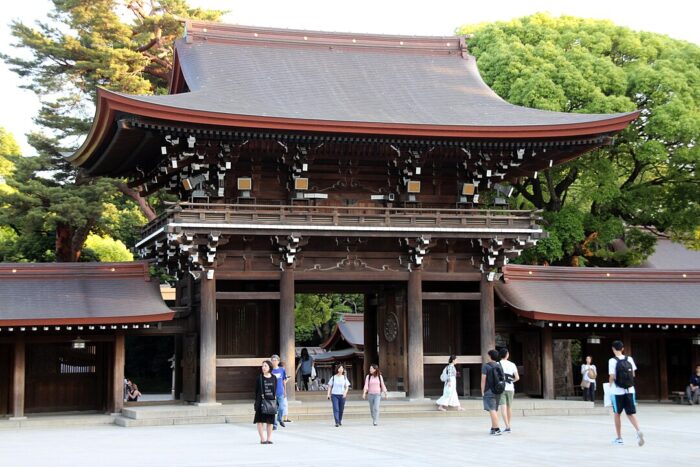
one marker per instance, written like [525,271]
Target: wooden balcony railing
[342,217]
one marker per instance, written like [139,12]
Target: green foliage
[8,147]
[107,249]
[649,176]
[120,45]
[8,245]
[317,313]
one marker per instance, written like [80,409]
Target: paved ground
[672,432]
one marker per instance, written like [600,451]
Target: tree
[83,45]
[648,178]
[316,314]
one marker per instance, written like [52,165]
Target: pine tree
[120,45]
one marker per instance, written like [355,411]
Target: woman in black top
[265,388]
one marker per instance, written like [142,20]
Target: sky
[676,18]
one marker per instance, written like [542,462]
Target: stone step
[58,421]
[206,420]
[321,408]
[406,411]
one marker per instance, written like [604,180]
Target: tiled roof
[342,77]
[602,295]
[51,294]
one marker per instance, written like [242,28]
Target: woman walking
[375,388]
[449,398]
[337,391]
[306,363]
[265,402]
[589,372]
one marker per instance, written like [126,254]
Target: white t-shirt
[338,384]
[612,364]
[584,372]
[509,368]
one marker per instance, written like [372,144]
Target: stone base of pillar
[206,404]
[12,419]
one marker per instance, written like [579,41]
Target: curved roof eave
[109,104]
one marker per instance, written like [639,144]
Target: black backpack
[496,378]
[624,374]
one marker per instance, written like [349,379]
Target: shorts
[626,402]
[507,398]
[490,401]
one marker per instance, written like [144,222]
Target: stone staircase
[242,412]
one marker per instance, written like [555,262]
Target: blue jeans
[338,406]
[280,408]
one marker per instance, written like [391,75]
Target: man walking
[492,386]
[512,376]
[621,371]
[281,376]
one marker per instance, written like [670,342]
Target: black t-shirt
[268,387]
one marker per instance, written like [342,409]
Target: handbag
[444,377]
[267,406]
[585,384]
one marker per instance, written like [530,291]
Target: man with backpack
[493,383]
[621,370]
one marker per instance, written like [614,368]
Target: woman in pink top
[374,386]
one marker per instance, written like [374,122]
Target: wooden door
[392,337]
[531,378]
[60,378]
[646,380]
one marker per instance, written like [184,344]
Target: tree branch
[143,203]
[564,185]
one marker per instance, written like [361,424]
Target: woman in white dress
[449,398]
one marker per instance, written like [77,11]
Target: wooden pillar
[547,364]
[287,323]
[116,392]
[663,370]
[415,335]
[370,333]
[487,318]
[18,379]
[207,341]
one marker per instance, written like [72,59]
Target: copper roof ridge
[91,269]
[204,30]
[516,272]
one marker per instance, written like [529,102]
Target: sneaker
[288,421]
[496,432]
[337,425]
[274,427]
[618,441]
[281,423]
[507,430]
[640,438]
[375,423]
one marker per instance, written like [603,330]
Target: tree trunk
[65,252]
[70,241]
